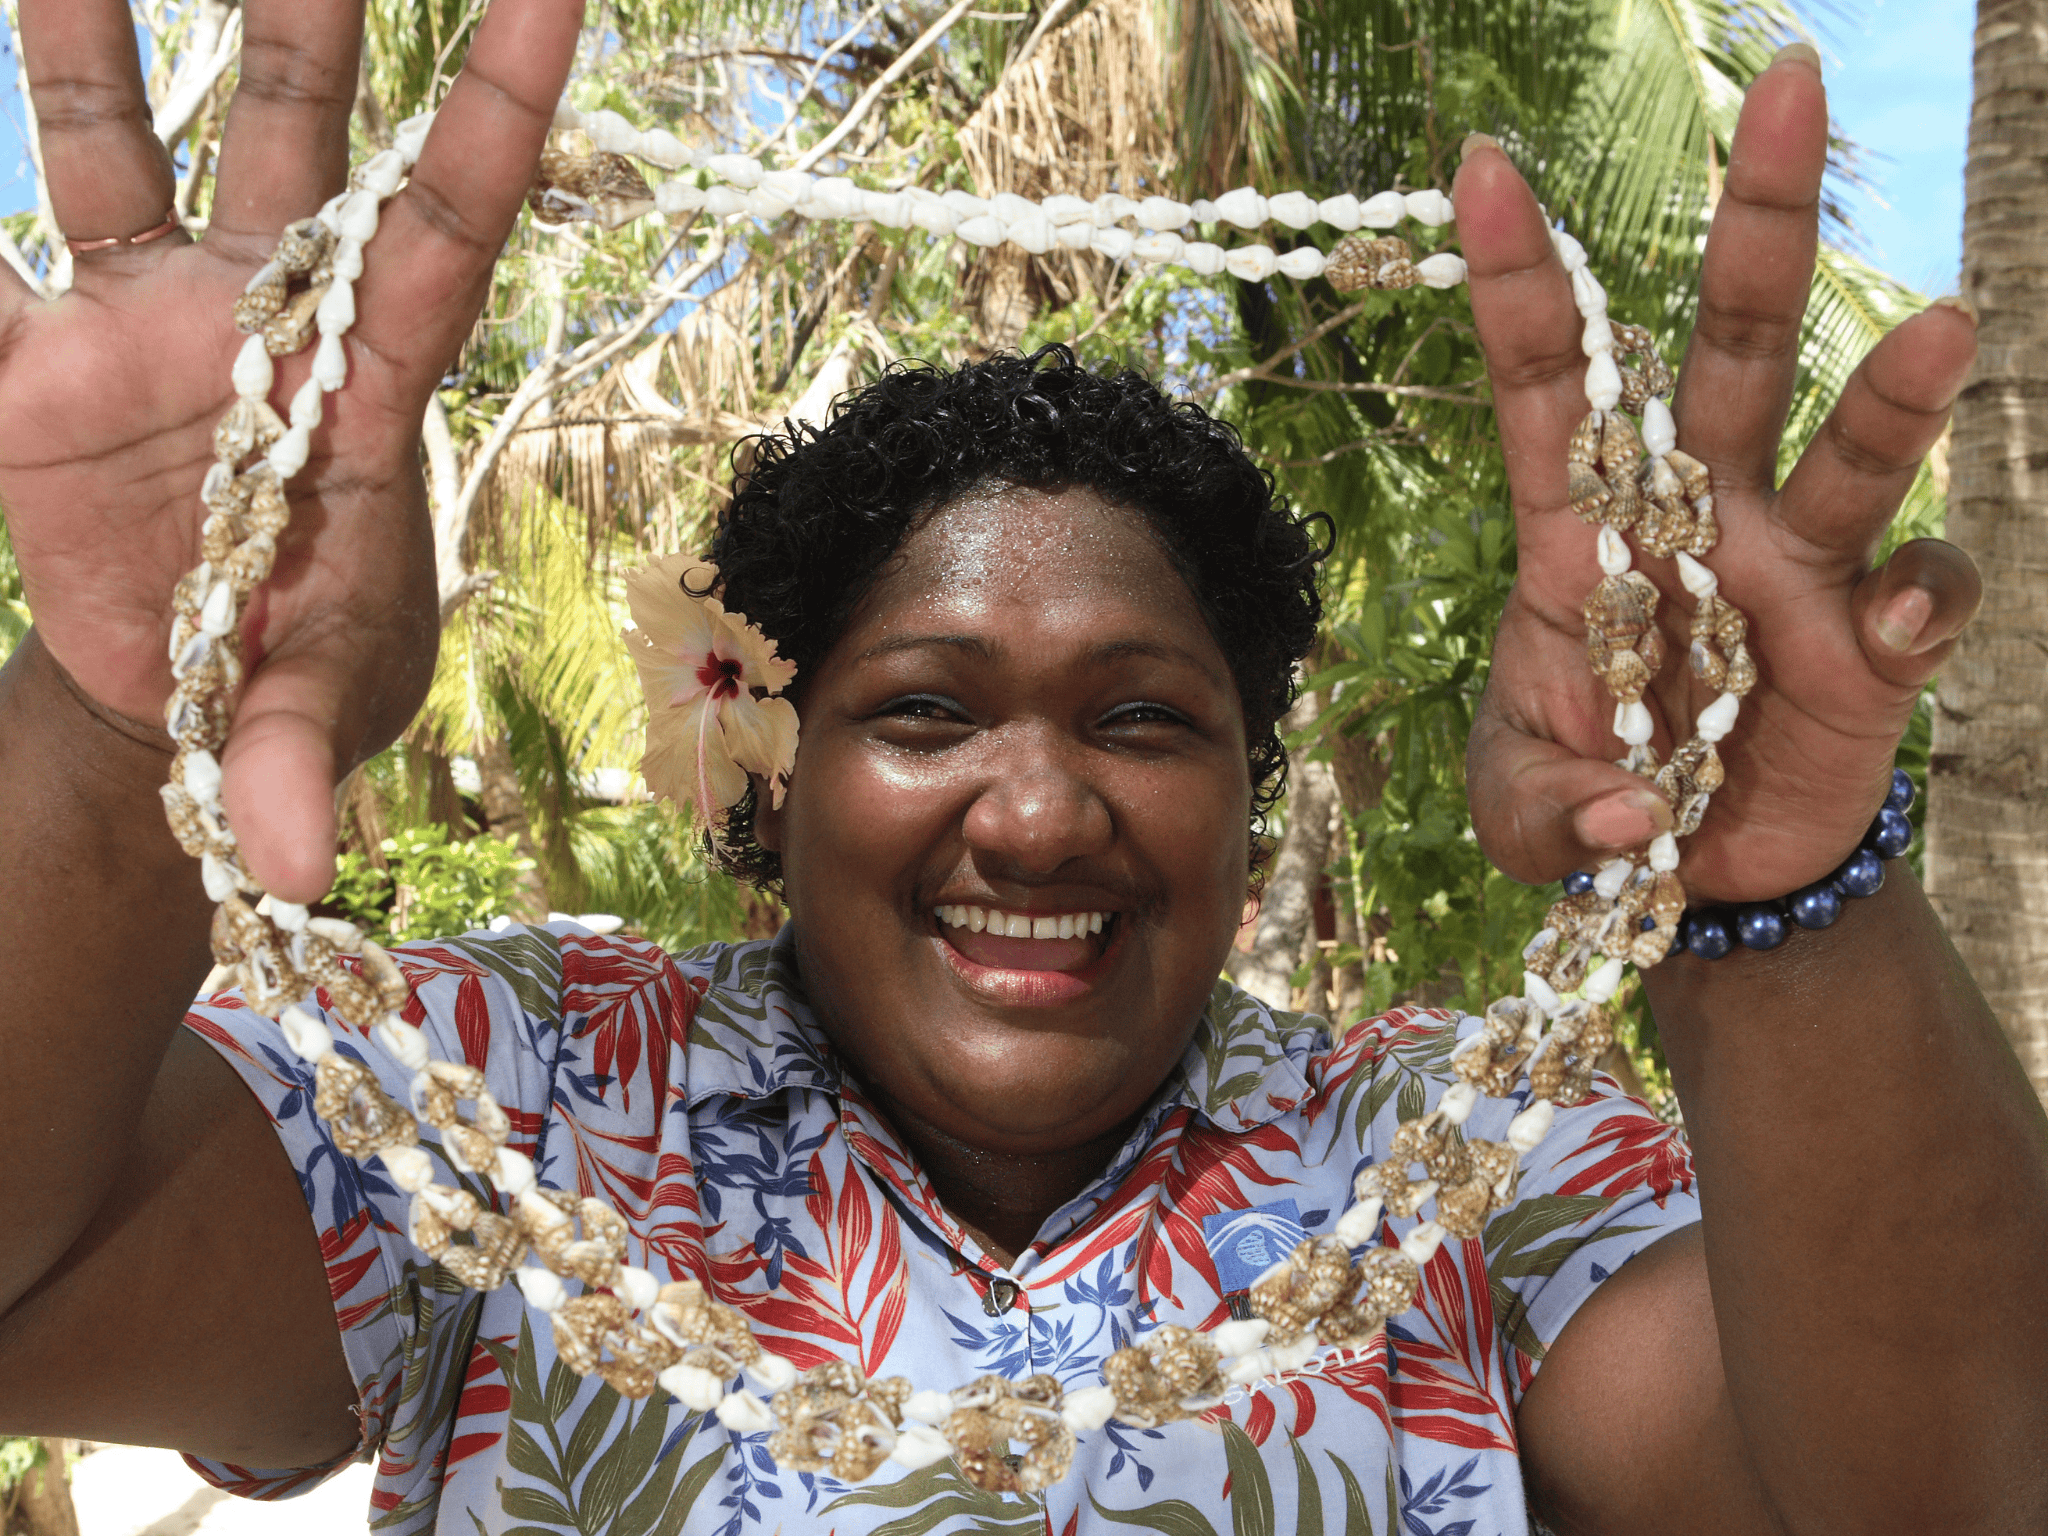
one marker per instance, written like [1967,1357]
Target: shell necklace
[623,1323]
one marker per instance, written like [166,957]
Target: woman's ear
[767,816]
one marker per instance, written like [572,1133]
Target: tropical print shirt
[698,1095]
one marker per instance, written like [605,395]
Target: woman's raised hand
[112,391]
[1842,649]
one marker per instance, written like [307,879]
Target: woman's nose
[1036,806]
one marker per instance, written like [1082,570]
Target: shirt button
[999,1298]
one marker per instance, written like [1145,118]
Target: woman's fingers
[1860,465]
[1540,810]
[1736,384]
[1522,305]
[432,259]
[1910,610]
[285,151]
[108,176]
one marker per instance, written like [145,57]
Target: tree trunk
[1286,909]
[505,808]
[42,1502]
[1987,816]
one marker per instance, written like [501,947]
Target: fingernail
[1805,53]
[1904,617]
[1477,141]
[1960,303]
[1623,820]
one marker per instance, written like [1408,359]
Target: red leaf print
[1648,1155]
[1259,1422]
[1304,1407]
[464,1446]
[473,1021]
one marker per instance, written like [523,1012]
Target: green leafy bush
[431,887]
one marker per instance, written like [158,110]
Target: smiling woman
[1043,624]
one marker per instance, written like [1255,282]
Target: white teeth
[1068,925]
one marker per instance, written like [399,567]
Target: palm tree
[1987,818]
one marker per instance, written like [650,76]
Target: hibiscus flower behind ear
[699,667]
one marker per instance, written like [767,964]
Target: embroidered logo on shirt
[1247,1243]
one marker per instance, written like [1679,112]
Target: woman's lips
[1029,973]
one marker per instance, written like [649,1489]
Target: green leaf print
[1308,1493]
[533,1504]
[938,1494]
[1357,1518]
[1251,1491]
[1173,1517]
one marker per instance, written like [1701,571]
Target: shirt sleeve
[1608,1181]
[492,1000]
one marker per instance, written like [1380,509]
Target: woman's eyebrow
[974,645]
[1155,650]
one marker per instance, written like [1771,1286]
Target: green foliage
[433,886]
[14,619]
[19,1455]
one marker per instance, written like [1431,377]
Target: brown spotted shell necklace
[567,1252]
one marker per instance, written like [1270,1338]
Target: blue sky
[1899,81]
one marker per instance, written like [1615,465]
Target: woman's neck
[1002,1199]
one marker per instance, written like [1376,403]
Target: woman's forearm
[1873,1166]
[103,941]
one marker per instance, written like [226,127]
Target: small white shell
[928,1407]
[722,202]
[919,1445]
[1114,243]
[409,138]
[1301,263]
[1383,210]
[202,776]
[1569,251]
[544,1290]
[218,879]
[1113,208]
[698,1389]
[330,211]
[337,310]
[835,197]
[1446,269]
[1357,1225]
[966,204]
[1076,237]
[1253,263]
[745,1414]
[1421,1244]
[983,230]
[1527,1130]
[1162,213]
[514,1173]
[382,172]
[1612,549]
[1009,207]
[891,210]
[1632,723]
[288,915]
[253,372]
[767,203]
[660,147]
[330,364]
[567,118]
[217,613]
[1033,233]
[401,1042]
[1239,1335]
[309,1039]
[1603,983]
[1429,206]
[1698,580]
[678,196]
[1341,212]
[1065,208]
[347,260]
[1718,718]
[1598,335]
[358,217]
[1087,1409]
[1297,210]
[1611,877]
[410,1168]
[1603,382]
[306,404]
[1159,248]
[1458,1102]
[931,213]
[740,170]
[775,1372]
[636,1287]
[1660,432]
[1245,208]
[1587,293]
[1203,257]
[289,453]
[1540,992]
[1663,852]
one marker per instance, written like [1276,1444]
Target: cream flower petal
[671,764]
[762,736]
[760,667]
[675,621]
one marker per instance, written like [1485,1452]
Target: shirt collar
[754,1036]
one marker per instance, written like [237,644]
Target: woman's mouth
[1026,959]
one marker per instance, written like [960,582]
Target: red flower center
[720,677]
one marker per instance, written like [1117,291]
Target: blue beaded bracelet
[1714,931]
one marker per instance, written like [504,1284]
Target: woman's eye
[1145,714]
[922,706]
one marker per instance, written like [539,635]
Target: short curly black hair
[819,510]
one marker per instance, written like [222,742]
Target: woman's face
[1026,716]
